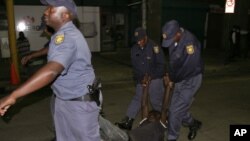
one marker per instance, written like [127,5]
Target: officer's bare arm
[41,78]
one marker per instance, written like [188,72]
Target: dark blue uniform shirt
[150,60]
[185,58]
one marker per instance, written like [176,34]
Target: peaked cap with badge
[139,34]
[69,4]
[168,32]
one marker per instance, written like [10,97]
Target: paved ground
[222,100]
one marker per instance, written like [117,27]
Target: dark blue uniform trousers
[156,91]
[182,98]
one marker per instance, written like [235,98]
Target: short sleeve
[63,53]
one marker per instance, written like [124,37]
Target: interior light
[21,26]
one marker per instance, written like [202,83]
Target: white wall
[21,15]
[32,17]
[4,43]
[91,15]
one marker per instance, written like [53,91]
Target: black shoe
[126,123]
[193,129]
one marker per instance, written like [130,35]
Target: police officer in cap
[70,71]
[147,60]
[185,71]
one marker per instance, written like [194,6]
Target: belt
[82,98]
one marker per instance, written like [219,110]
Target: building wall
[78,2]
[190,16]
[89,18]
[190,13]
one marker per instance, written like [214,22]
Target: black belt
[82,98]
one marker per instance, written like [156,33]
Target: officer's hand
[146,80]
[171,84]
[5,104]
[167,81]
[25,59]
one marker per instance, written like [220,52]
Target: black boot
[126,123]
[193,129]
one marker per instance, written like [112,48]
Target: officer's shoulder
[60,38]
[189,36]
[192,45]
[155,47]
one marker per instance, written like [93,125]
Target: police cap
[168,32]
[139,34]
[69,4]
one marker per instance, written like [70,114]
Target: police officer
[147,60]
[234,47]
[70,71]
[185,71]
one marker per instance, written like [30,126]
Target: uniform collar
[66,25]
[182,32]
